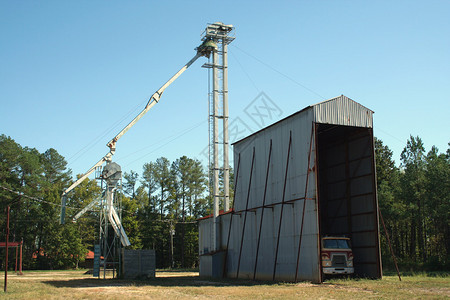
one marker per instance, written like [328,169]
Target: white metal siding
[299,127]
[338,111]
[205,236]
[343,111]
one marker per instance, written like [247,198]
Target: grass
[187,285]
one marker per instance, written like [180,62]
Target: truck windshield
[336,244]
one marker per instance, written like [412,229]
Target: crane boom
[151,102]
[105,158]
[204,49]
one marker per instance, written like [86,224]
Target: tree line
[159,209]
[160,206]
[414,199]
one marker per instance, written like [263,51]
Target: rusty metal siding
[343,111]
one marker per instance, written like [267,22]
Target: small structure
[309,175]
[18,246]
[88,262]
[138,264]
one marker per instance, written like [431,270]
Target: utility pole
[6,245]
[172,233]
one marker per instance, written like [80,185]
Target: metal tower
[110,216]
[221,34]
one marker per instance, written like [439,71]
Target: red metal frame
[8,245]
[273,204]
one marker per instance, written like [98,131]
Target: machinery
[112,175]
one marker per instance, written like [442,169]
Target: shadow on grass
[418,273]
[173,281]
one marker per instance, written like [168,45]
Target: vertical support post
[113,259]
[215,230]
[172,231]
[375,201]
[101,235]
[17,253]
[105,244]
[20,262]
[390,246]
[319,208]
[231,216]
[245,213]
[115,243]
[119,243]
[120,273]
[6,244]
[304,204]
[226,168]
[282,206]
[262,211]
[348,189]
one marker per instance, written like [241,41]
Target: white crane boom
[105,158]
[84,210]
[151,102]
[204,49]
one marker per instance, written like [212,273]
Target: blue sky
[73,73]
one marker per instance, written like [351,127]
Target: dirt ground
[188,285]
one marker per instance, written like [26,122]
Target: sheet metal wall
[205,242]
[297,128]
[205,233]
[246,257]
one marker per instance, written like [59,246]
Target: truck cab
[336,255]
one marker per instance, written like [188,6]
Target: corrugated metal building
[309,175]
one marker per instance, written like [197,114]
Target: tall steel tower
[220,34]
[110,216]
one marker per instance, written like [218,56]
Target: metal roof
[342,111]
[339,110]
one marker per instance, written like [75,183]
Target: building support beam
[231,216]
[215,231]
[308,170]
[282,206]
[226,146]
[262,210]
[245,213]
